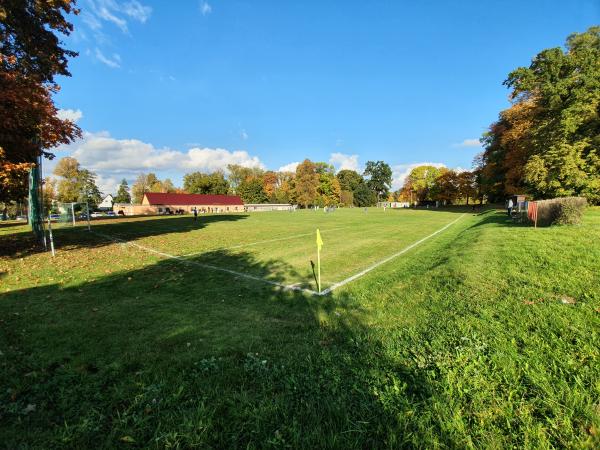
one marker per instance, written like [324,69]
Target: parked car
[21,218]
[96,215]
[54,216]
[111,214]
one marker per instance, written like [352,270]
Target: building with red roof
[171,203]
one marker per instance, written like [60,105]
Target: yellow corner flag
[319,245]
[319,240]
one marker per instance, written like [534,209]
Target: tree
[286,190]
[48,193]
[165,186]
[446,189]
[347,198]
[323,168]
[349,180]
[251,191]
[76,184]
[363,196]
[88,191]
[421,180]
[68,187]
[238,174]
[328,190]
[379,176]
[28,43]
[30,57]
[201,183]
[307,182]
[123,193]
[270,183]
[143,183]
[467,185]
[546,144]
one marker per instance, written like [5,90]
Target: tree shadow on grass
[494,217]
[21,244]
[174,354]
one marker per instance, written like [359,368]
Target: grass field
[487,334]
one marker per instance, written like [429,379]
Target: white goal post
[70,214]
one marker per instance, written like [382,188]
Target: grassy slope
[462,342]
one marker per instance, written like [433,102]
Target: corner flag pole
[319,245]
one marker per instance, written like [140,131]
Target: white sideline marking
[383,261]
[287,238]
[289,287]
[209,266]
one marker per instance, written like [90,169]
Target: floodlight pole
[73,212]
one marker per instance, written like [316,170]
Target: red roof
[157,198]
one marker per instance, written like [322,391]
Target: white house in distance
[106,203]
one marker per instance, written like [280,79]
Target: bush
[569,211]
[561,211]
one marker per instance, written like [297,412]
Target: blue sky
[268,83]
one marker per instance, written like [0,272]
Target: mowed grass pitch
[485,335]
[284,241]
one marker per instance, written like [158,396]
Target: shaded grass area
[486,336]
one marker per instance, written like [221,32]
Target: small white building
[107,203]
[252,207]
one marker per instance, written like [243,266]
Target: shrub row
[561,211]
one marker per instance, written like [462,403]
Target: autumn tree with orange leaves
[31,55]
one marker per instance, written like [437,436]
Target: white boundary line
[383,261]
[287,238]
[209,266]
[290,287]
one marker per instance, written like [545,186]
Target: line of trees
[429,183]
[312,184]
[547,144]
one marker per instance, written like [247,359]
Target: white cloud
[210,159]
[70,114]
[205,8]
[291,167]
[97,13]
[103,12]
[110,157]
[91,20]
[137,11]
[113,63]
[115,12]
[342,161]
[401,171]
[468,143]
[108,185]
[244,135]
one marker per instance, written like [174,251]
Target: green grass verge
[487,335]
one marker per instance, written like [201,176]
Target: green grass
[464,341]
[353,240]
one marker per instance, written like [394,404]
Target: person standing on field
[510,206]
[195,214]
